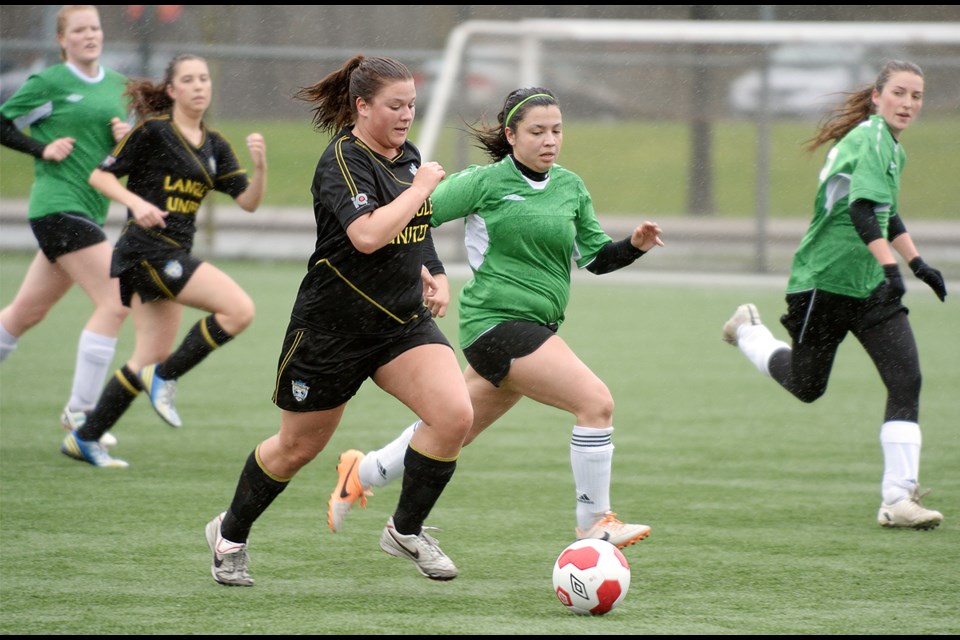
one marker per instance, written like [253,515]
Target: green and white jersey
[61,102]
[521,237]
[865,164]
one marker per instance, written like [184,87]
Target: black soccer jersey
[166,170]
[346,291]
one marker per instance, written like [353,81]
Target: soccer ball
[591,577]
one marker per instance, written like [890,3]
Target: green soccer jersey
[521,238]
[865,164]
[60,102]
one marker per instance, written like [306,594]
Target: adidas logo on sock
[381,470]
[584,498]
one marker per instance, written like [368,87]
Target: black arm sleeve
[431,260]
[895,227]
[613,256]
[12,137]
[864,221]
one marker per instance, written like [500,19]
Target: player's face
[384,123]
[536,139]
[900,101]
[82,38]
[191,88]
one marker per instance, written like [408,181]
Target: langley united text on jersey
[415,233]
[195,189]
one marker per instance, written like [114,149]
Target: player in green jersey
[527,219]
[171,161]
[845,278]
[75,112]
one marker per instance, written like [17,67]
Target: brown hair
[493,139]
[62,16]
[335,97]
[857,107]
[147,97]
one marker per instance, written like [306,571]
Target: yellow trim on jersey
[273,477]
[362,294]
[192,150]
[344,171]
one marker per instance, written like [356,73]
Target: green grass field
[762,508]
[629,167]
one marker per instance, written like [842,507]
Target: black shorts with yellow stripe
[153,277]
[319,371]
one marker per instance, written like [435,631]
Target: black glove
[931,276]
[894,282]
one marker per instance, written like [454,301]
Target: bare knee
[598,410]
[239,317]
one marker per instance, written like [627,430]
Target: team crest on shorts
[173,269]
[300,390]
[359,200]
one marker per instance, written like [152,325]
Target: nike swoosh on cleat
[217,562]
[343,489]
[413,554]
[606,536]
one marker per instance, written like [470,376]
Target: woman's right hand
[429,176]
[58,150]
[147,215]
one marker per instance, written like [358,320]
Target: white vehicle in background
[805,79]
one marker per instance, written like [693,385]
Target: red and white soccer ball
[591,577]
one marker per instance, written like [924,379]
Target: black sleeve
[613,256]
[895,227]
[864,221]
[431,260]
[12,137]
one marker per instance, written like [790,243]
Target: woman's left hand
[646,236]
[436,292]
[119,128]
[258,150]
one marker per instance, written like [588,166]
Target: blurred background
[705,136]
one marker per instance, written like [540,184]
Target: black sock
[117,396]
[202,339]
[424,479]
[255,491]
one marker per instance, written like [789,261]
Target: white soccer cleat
[230,559]
[73,420]
[423,550]
[909,514]
[161,393]
[745,314]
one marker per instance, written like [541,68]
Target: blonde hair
[65,12]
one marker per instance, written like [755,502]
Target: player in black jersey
[171,160]
[360,314]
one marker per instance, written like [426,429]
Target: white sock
[94,356]
[758,344]
[591,456]
[8,342]
[383,466]
[901,443]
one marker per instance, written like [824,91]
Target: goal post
[532,33]
[529,50]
